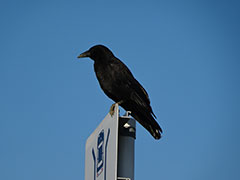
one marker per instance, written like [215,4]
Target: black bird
[119,84]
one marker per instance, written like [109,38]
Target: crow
[119,84]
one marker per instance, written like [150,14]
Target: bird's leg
[111,112]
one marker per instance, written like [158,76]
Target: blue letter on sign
[100,152]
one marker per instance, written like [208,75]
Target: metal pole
[126,146]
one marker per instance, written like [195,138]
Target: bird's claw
[112,108]
[111,111]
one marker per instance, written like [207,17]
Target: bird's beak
[85,54]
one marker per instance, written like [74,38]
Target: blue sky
[185,53]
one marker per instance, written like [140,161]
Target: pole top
[127,125]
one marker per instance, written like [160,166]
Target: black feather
[119,84]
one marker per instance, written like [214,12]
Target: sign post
[109,151]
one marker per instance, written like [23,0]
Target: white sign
[101,150]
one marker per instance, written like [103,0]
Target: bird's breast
[105,76]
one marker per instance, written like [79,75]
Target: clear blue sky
[185,53]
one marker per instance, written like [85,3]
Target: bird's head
[97,53]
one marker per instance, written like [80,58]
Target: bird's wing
[134,89]
[135,99]
[140,96]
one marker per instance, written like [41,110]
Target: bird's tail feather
[148,122]
[145,117]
